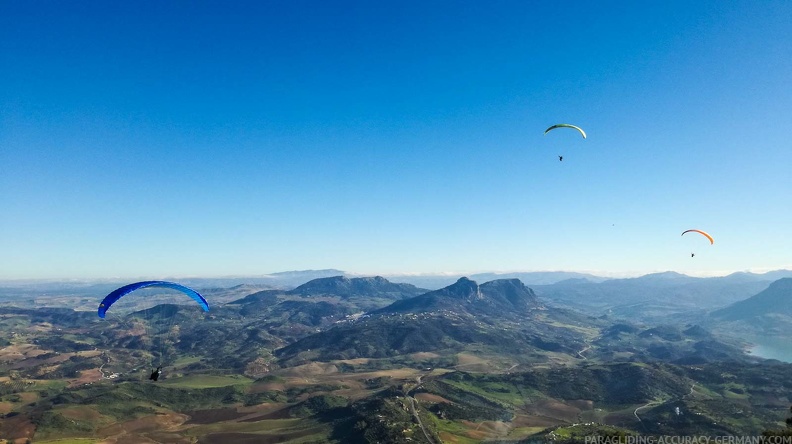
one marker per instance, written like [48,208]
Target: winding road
[658,403]
[415,411]
[650,403]
[107,361]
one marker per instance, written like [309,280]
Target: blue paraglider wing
[117,294]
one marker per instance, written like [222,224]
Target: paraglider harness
[156,373]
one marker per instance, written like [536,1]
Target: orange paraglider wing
[712,241]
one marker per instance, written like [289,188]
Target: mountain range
[659,296]
[369,360]
[503,314]
[775,300]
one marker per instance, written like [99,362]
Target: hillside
[775,300]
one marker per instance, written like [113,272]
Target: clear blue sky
[189,138]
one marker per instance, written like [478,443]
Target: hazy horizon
[354,274]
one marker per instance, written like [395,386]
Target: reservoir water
[772,348]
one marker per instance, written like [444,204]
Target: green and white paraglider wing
[566,125]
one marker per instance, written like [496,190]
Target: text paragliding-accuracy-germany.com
[680,439]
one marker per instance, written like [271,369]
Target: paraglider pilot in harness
[156,373]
